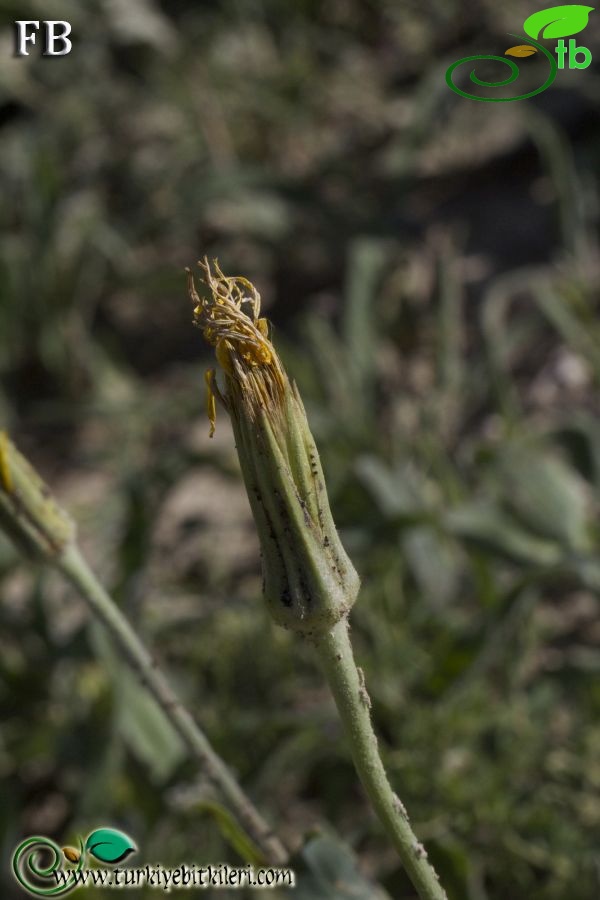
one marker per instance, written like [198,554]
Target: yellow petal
[521,50]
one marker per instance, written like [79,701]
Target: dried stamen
[230,321]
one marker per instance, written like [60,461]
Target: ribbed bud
[309,581]
[28,512]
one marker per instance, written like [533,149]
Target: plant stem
[348,688]
[75,568]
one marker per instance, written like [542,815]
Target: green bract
[309,581]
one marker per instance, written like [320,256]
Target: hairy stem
[349,692]
[76,569]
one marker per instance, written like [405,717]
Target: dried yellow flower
[230,320]
[309,581]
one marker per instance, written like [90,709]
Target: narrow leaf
[233,833]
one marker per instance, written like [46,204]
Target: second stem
[76,569]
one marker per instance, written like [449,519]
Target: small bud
[309,581]
[28,512]
[70,854]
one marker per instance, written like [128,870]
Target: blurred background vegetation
[431,267]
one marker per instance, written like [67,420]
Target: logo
[44,869]
[554,22]
[37,861]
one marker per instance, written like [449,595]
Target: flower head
[309,581]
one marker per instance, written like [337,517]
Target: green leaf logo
[558,21]
[109,845]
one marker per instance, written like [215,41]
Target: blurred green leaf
[140,721]
[434,562]
[545,494]
[326,869]
[394,490]
[583,336]
[235,836]
[486,526]
[367,258]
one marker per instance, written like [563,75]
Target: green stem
[76,569]
[348,688]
